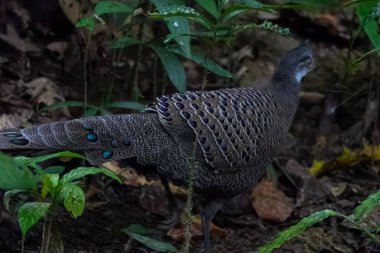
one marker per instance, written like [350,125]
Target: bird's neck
[288,75]
[287,80]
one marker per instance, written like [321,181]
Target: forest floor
[334,135]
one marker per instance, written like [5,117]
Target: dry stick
[46,234]
[85,71]
[189,201]
[43,243]
[155,83]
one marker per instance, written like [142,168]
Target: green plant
[139,233]
[365,207]
[45,188]
[177,17]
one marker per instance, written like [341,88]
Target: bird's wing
[227,125]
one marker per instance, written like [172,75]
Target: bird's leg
[209,209]
[173,207]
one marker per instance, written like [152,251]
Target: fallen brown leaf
[271,203]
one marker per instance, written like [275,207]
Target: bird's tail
[101,138]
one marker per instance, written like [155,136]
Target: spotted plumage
[232,134]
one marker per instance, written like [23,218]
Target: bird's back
[231,133]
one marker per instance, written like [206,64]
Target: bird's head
[296,64]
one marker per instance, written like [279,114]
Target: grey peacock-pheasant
[232,134]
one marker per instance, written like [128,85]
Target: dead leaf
[177,233]
[214,229]
[371,152]
[59,47]
[271,203]
[338,189]
[15,120]
[129,175]
[348,156]
[317,167]
[21,44]
[46,92]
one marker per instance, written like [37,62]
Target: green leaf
[209,6]
[123,42]
[105,7]
[138,229]
[73,199]
[296,230]
[367,205]
[151,243]
[15,175]
[321,4]
[205,62]
[91,112]
[30,213]
[49,183]
[251,5]
[182,11]
[364,12]
[127,104]
[32,161]
[81,172]
[87,22]
[8,195]
[173,67]
[54,169]
[176,25]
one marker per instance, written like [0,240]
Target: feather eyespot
[107,154]
[92,137]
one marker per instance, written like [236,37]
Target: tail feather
[101,138]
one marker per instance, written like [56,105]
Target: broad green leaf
[49,183]
[46,186]
[253,4]
[173,67]
[105,7]
[138,229]
[32,161]
[205,62]
[87,22]
[54,169]
[81,172]
[103,111]
[367,205]
[151,243]
[176,25]
[182,11]
[91,112]
[209,6]
[30,213]
[127,104]
[8,195]
[123,42]
[73,199]
[15,175]
[364,12]
[296,230]
[321,4]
